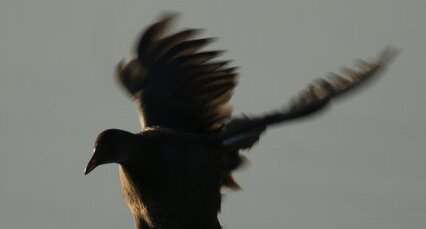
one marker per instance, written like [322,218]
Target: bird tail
[230,161]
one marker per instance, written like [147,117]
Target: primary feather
[176,85]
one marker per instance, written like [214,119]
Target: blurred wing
[174,84]
[335,86]
[244,132]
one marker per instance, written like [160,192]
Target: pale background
[359,165]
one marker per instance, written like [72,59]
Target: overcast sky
[361,164]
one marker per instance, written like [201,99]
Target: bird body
[172,171]
[172,183]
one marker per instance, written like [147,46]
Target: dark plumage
[173,170]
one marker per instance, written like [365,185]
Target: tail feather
[230,161]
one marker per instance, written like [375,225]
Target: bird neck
[141,224]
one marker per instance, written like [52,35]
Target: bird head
[111,146]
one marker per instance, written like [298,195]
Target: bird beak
[91,165]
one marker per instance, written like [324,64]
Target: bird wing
[174,84]
[244,132]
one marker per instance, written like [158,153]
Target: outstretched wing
[244,132]
[174,84]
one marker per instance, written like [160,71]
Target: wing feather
[175,83]
[244,132]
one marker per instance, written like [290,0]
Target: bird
[173,170]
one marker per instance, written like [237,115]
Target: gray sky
[359,165]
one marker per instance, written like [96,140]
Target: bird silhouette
[173,170]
